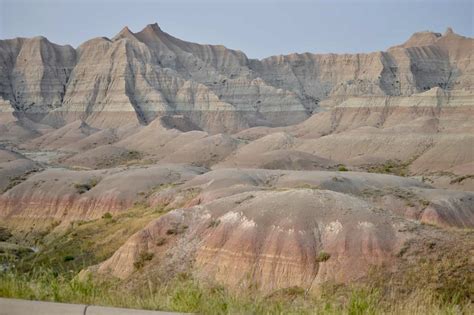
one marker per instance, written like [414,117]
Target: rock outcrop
[136,77]
[280,229]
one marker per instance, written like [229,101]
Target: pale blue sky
[260,28]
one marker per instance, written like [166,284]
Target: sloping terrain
[144,158]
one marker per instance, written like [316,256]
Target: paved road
[25,307]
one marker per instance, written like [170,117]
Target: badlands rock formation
[256,172]
[274,228]
[139,76]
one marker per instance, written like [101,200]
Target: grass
[89,242]
[393,167]
[130,157]
[5,234]
[184,294]
[438,281]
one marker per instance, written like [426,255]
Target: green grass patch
[89,242]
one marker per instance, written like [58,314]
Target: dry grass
[183,294]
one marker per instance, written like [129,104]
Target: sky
[260,28]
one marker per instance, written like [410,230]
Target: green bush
[342,168]
[4,234]
[323,256]
[107,215]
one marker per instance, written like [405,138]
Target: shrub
[323,256]
[342,168]
[213,223]
[178,229]
[107,215]
[68,258]
[394,167]
[143,257]
[84,187]
[160,241]
[4,234]
[460,179]
[133,155]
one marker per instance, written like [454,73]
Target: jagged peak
[154,27]
[124,33]
[150,31]
[150,34]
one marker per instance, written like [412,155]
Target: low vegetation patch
[394,167]
[85,187]
[107,216]
[342,168]
[89,242]
[177,229]
[185,294]
[213,223]
[16,180]
[143,258]
[130,157]
[10,252]
[5,234]
[460,179]
[323,256]
[160,241]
